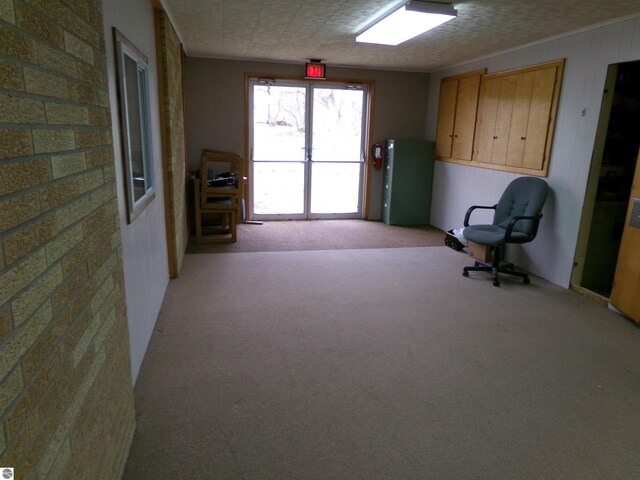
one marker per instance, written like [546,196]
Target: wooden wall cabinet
[516,118]
[457,116]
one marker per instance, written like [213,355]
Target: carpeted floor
[276,236]
[382,364]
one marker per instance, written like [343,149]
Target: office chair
[516,219]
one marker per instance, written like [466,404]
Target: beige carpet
[382,364]
[278,236]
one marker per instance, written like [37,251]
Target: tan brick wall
[173,141]
[66,400]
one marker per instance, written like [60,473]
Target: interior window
[133,97]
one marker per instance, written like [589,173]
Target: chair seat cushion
[485,234]
[491,235]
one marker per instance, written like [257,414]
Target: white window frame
[133,106]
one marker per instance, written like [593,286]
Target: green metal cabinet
[408,177]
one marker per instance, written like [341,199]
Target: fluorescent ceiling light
[408,21]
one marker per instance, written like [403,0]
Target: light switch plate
[634,221]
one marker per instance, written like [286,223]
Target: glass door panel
[337,152]
[278,188]
[279,123]
[337,125]
[335,188]
[279,151]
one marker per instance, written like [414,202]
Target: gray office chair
[516,219]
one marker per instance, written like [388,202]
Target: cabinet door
[540,117]
[504,113]
[446,117]
[520,119]
[485,125]
[465,117]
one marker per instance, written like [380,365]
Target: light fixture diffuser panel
[407,22]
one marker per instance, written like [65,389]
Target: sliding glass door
[307,149]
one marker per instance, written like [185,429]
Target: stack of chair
[219,194]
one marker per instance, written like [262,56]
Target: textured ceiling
[296,30]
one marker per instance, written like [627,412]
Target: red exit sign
[315,70]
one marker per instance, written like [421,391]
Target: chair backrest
[523,196]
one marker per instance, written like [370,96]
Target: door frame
[588,208]
[368,116]
[592,184]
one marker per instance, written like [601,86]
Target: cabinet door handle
[523,138]
[495,138]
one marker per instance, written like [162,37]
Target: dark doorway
[612,177]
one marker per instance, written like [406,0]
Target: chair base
[495,269]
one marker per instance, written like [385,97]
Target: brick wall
[66,401]
[173,138]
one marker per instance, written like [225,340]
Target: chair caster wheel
[496,283]
[526,280]
[465,273]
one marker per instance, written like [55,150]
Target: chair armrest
[517,218]
[472,208]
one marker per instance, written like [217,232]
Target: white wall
[144,244]
[456,187]
[215,106]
